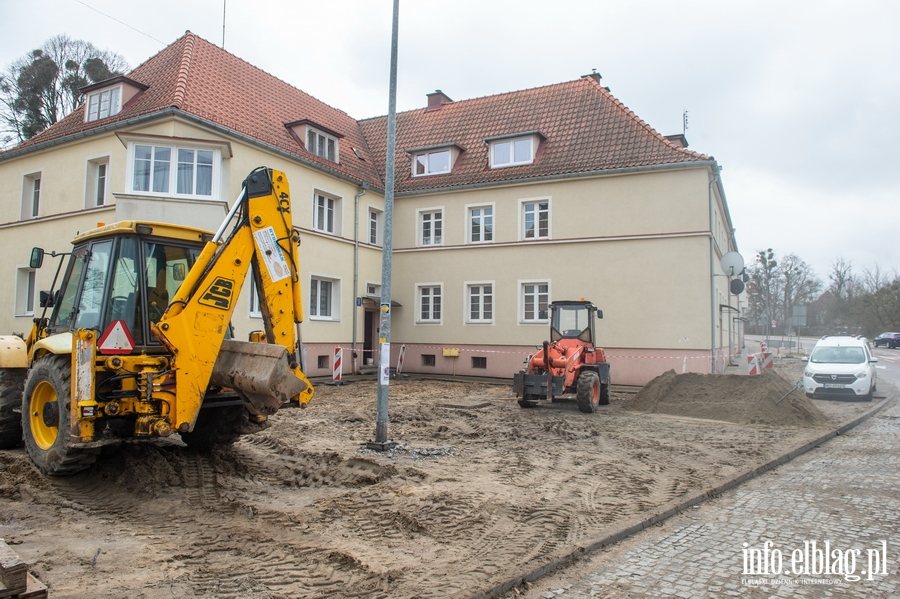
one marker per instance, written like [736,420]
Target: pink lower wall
[627,366]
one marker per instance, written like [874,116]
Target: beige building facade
[501,207]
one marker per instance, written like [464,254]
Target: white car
[840,366]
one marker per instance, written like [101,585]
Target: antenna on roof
[223,24]
[685,126]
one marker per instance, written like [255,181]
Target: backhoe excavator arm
[194,324]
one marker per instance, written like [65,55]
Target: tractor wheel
[588,392]
[604,394]
[216,426]
[12,380]
[45,418]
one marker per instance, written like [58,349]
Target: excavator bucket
[260,371]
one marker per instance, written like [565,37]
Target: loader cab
[123,272]
[573,320]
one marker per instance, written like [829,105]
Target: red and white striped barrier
[763,346]
[400,358]
[338,364]
[752,365]
[767,360]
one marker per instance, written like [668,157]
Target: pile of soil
[730,398]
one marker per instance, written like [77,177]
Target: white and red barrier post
[767,361]
[752,365]
[338,364]
[400,358]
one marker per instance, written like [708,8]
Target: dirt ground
[478,491]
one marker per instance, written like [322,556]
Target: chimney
[678,139]
[593,75]
[436,100]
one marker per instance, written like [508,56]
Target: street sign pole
[381,442]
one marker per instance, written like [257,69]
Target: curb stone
[633,527]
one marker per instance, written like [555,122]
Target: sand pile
[731,398]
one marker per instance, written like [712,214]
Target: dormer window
[432,163]
[320,141]
[434,160]
[513,150]
[106,98]
[104,104]
[321,145]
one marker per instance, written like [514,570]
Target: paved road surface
[846,492]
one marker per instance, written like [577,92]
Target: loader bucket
[260,371]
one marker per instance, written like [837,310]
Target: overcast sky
[799,102]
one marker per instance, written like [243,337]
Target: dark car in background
[889,340]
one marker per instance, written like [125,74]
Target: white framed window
[373,290]
[255,310]
[25,291]
[374,229]
[321,144]
[96,182]
[324,298]
[480,224]
[431,226]
[326,213]
[31,195]
[174,170]
[534,301]
[512,152]
[534,216]
[479,302]
[430,303]
[432,163]
[104,103]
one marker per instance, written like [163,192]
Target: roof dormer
[319,140]
[106,99]
[513,149]
[434,160]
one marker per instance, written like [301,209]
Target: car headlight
[808,373]
[862,374]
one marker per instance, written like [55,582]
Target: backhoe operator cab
[137,340]
[146,263]
[569,362]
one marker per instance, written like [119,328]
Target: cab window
[94,288]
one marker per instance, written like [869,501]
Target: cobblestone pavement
[846,493]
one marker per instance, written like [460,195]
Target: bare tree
[799,284]
[41,87]
[841,279]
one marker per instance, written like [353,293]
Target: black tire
[217,426]
[49,382]
[12,383]
[870,395]
[604,393]
[588,392]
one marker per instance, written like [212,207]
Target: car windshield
[838,355]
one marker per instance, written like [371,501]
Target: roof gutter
[175,112]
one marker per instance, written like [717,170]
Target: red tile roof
[584,127]
[199,78]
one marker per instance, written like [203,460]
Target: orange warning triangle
[116,339]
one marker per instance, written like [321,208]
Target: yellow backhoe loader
[138,340]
